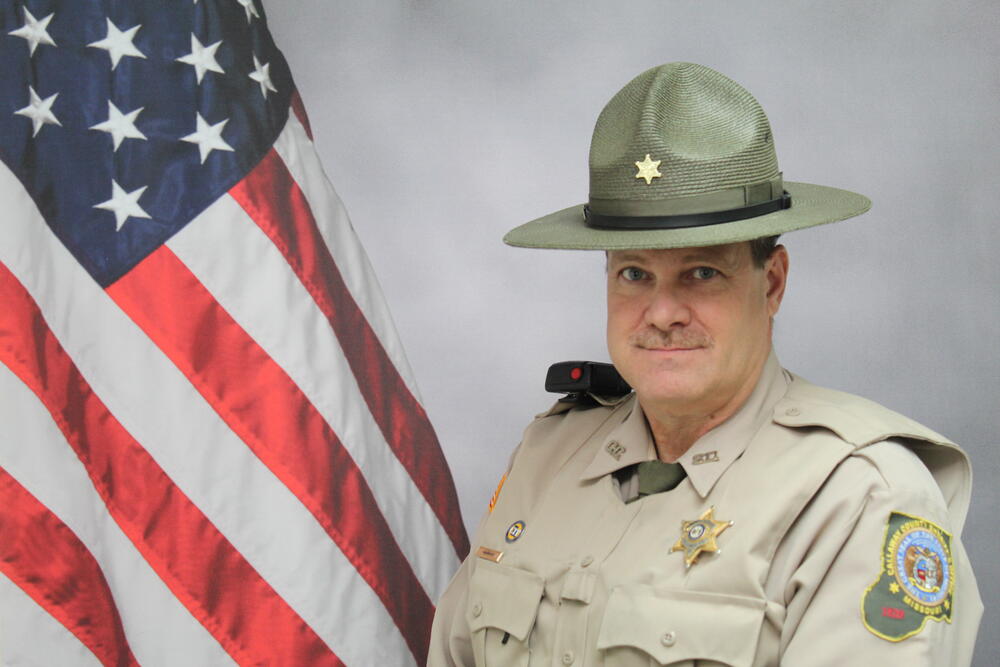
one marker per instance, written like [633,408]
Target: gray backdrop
[444,124]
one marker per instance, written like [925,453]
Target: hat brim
[811,205]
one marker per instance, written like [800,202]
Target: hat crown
[683,157]
[707,132]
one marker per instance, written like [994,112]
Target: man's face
[690,328]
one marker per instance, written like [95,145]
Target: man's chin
[651,362]
[673,373]
[677,390]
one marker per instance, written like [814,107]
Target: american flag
[211,445]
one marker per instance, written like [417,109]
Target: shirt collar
[628,443]
[711,455]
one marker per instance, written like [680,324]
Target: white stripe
[50,470]
[50,644]
[255,285]
[298,154]
[161,409]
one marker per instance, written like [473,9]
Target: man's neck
[675,431]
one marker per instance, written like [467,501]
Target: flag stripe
[29,635]
[47,561]
[160,408]
[219,588]
[288,326]
[337,233]
[142,598]
[268,411]
[299,109]
[50,470]
[275,202]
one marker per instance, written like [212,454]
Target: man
[727,511]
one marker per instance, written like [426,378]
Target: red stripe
[273,199]
[48,561]
[262,405]
[206,573]
[299,110]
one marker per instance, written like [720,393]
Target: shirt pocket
[503,603]
[643,626]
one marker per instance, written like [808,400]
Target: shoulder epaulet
[856,420]
[581,401]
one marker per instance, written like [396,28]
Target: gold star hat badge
[648,169]
[699,536]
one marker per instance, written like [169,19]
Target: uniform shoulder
[856,420]
[568,423]
[882,478]
[901,472]
[555,441]
[580,405]
[910,458]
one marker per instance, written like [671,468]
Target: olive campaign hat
[683,156]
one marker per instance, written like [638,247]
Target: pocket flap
[505,598]
[672,626]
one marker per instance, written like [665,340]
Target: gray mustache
[654,338]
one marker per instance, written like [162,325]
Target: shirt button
[669,638]
[477,609]
[586,560]
[568,657]
[793,412]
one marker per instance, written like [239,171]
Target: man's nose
[667,308]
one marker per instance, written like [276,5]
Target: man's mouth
[658,341]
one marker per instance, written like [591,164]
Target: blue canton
[125,120]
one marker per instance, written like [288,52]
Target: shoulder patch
[916,582]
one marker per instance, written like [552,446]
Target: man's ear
[776,275]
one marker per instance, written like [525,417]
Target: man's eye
[704,273]
[631,274]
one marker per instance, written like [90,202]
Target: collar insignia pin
[616,449]
[698,536]
[707,457]
[648,169]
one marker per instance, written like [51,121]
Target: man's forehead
[730,253]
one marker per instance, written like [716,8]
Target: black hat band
[601,221]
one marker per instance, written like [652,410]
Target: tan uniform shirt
[810,479]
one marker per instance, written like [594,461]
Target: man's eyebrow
[722,256]
[627,257]
[725,256]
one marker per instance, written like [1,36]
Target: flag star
[251,9]
[202,58]
[39,111]
[120,125]
[123,204]
[34,31]
[208,137]
[262,75]
[118,43]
